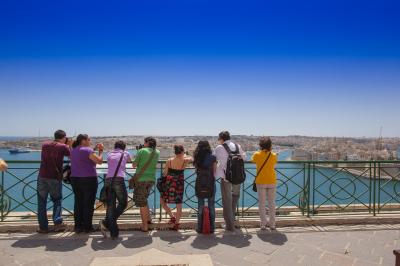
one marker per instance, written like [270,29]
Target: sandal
[172,220]
[176,227]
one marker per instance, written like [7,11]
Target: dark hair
[120,145]
[151,141]
[79,140]
[178,149]
[224,135]
[265,143]
[202,150]
[59,134]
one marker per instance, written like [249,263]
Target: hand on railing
[3,165]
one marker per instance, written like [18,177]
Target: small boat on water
[18,150]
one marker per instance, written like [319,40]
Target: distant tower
[398,152]
[379,141]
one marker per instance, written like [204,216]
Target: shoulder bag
[133,181]
[254,182]
[105,190]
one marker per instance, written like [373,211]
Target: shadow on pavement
[101,243]
[137,241]
[238,240]
[171,238]
[61,244]
[274,238]
[204,242]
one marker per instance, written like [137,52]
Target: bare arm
[3,165]
[97,158]
[188,159]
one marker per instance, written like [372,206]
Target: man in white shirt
[3,165]
[230,192]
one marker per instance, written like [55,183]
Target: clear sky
[321,68]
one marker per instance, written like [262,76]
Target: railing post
[161,174]
[313,188]
[2,196]
[371,187]
[308,189]
[374,189]
[243,194]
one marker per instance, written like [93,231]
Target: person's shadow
[101,243]
[137,240]
[52,243]
[237,239]
[274,238]
[171,238]
[205,241]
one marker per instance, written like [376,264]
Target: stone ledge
[129,225]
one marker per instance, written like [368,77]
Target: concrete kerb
[190,224]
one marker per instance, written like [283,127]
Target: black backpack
[205,183]
[235,172]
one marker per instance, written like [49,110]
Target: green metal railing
[304,188]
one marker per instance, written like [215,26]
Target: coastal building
[166,153]
[301,155]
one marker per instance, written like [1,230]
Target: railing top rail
[249,162]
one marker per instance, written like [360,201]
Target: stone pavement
[329,245]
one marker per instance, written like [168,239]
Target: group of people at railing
[226,163]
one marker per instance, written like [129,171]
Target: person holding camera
[84,181]
[115,188]
[146,165]
[174,184]
[49,180]
[3,165]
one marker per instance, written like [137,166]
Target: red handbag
[206,221]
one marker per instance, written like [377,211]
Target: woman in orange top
[265,161]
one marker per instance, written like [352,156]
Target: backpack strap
[227,148]
[229,151]
[237,148]
[119,164]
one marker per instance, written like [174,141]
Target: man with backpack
[230,170]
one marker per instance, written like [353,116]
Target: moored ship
[18,150]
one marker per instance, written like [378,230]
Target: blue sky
[321,68]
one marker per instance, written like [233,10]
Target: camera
[139,147]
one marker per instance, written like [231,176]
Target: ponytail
[79,140]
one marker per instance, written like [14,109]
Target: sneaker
[90,230]
[103,228]
[42,231]
[60,227]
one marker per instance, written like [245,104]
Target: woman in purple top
[84,181]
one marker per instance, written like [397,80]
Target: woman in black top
[206,165]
